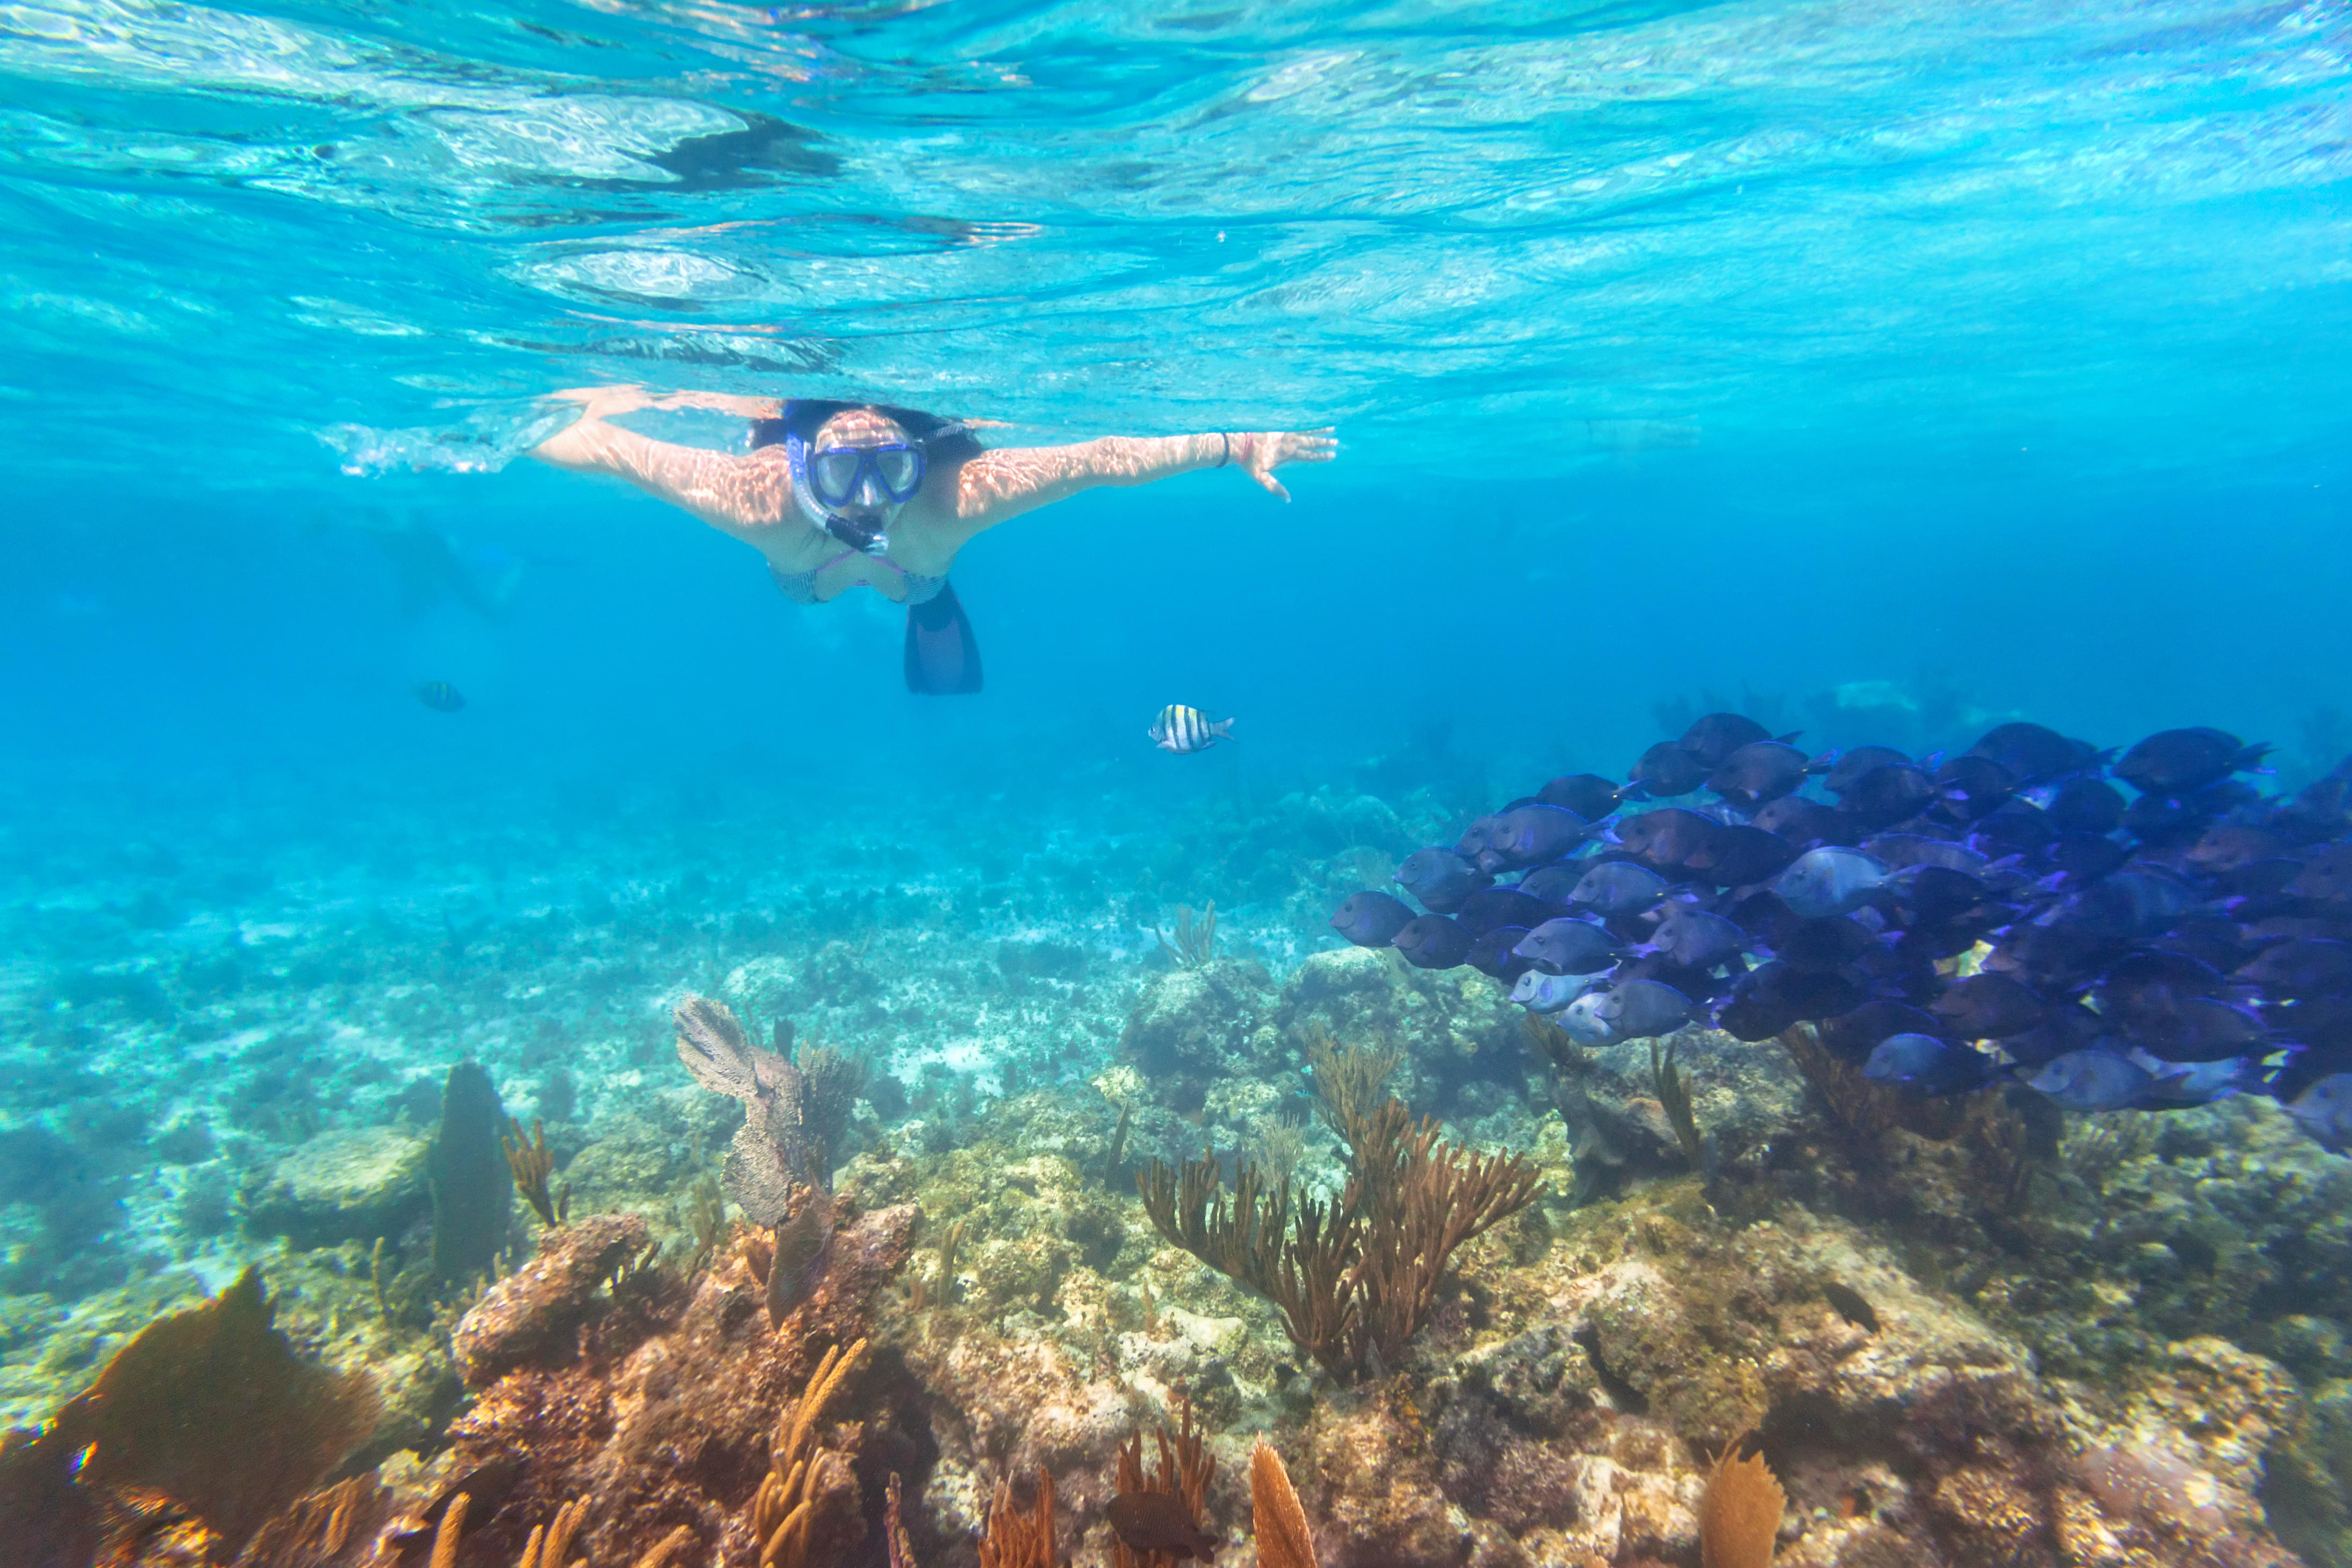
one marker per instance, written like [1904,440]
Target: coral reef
[1963,1338]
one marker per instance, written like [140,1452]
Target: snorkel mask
[826,479]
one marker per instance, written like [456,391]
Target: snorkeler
[840,495]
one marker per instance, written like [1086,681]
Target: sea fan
[1741,1513]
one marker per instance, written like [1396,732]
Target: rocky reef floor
[229,1037]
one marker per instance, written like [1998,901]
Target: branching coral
[1357,1280]
[529,1160]
[1184,1470]
[1191,945]
[1018,1539]
[1349,1081]
[784,1510]
[321,1528]
[548,1544]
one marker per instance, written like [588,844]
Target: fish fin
[1223,729]
[1788,738]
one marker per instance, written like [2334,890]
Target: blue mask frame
[870,465]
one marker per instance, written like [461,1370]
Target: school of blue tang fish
[2142,931]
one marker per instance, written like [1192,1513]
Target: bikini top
[800,587]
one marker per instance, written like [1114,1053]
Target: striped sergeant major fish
[1181,728]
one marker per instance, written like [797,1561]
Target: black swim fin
[942,659]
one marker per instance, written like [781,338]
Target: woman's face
[869,506]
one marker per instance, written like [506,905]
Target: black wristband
[1224,456]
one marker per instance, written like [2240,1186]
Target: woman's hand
[604,402]
[1258,453]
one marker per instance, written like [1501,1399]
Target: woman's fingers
[599,401]
[1272,486]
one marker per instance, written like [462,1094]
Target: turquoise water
[1884,370]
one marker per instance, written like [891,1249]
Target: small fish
[1712,736]
[1666,769]
[1831,880]
[1372,919]
[1431,942]
[1739,856]
[1884,796]
[2129,906]
[2197,1083]
[2086,805]
[1619,888]
[1530,835]
[1803,823]
[1441,879]
[1668,837]
[1156,1523]
[2034,753]
[440,696]
[1553,884]
[2305,966]
[1839,770]
[1180,730]
[1541,992]
[1494,952]
[1568,946]
[1589,796]
[1489,908]
[2093,1079]
[1928,1065]
[1973,786]
[1695,939]
[1760,772]
[1637,1009]
[2177,762]
[1582,1020]
[1988,1006]
[2324,1111]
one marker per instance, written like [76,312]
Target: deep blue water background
[1995,351]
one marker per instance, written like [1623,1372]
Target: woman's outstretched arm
[1003,484]
[736,494]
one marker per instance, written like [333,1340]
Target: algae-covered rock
[352,1186]
[1743,1097]
[1440,1015]
[531,1313]
[1193,1026]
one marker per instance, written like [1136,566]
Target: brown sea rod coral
[1357,1280]
[1182,1474]
[1014,1539]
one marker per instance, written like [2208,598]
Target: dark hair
[945,442]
